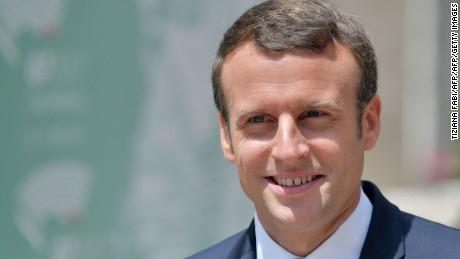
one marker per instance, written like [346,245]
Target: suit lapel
[385,236]
[245,247]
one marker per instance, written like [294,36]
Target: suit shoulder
[430,238]
[219,250]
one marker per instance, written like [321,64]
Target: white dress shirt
[345,243]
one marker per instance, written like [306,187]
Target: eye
[257,119]
[314,113]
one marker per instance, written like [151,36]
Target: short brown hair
[293,25]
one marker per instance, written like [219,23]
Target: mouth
[292,182]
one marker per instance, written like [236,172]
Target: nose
[290,144]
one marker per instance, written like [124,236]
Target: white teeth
[289,182]
[297,181]
[304,179]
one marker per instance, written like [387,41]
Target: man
[295,85]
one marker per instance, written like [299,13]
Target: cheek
[251,159]
[335,156]
[326,151]
[252,155]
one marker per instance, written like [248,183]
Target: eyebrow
[323,104]
[251,112]
[317,104]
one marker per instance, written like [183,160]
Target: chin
[296,218]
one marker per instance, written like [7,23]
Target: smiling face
[294,137]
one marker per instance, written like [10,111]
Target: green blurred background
[109,141]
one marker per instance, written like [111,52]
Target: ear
[226,141]
[371,122]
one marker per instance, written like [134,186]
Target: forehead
[248,65]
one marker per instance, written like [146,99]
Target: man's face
[293,134]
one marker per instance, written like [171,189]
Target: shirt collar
[346,242]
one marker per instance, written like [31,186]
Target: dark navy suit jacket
[392,234]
